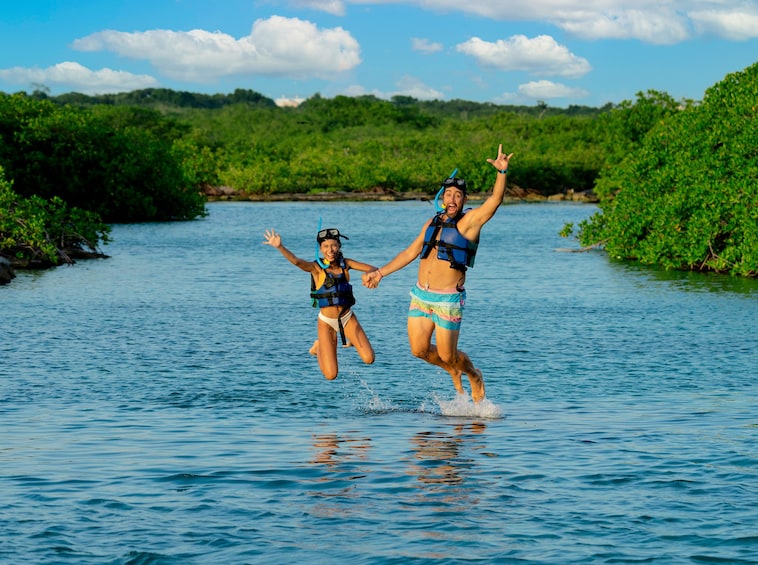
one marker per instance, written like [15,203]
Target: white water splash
[371,402]
[462,405]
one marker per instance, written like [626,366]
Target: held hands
[273,239]
[371,280]
[501,162]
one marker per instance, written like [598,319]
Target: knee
[369,358]
[330,376]
[449,357]
[420,352]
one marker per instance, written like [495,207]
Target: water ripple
[161,406]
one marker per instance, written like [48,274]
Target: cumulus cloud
[334,7]
[84,80]
[735,25]
[425,46]
[661,27]
[276,46]
[406,86]
[540,56]
[545,89]
[645,20]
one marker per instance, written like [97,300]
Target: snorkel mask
[322,236]
[329,233]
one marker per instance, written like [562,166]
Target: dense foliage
[36,232]
[162,98]
[67,172]
[677,180]
[363,143]
[117,162]
[685,194]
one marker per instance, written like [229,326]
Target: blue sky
[506,52]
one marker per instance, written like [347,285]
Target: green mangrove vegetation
[676,179]
[681,188]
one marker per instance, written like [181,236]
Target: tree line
[676,179]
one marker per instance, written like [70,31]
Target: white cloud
[79,78]
[734,25]
[276,46]
[539,56]
[334,7]
[406,86]
[545,89]
[425,46]
[662,26]
[411,86]
[651,21]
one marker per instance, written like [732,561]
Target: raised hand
[272,238]
[501,162]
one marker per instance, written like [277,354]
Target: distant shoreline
[516,194]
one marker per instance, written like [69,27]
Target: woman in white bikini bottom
[333,321]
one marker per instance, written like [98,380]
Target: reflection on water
[334,451]
[438,455]
[344,458]
[690,281]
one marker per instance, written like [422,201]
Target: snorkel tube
[318,257]
[436,198]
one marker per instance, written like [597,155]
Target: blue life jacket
[335,291]
[451,245]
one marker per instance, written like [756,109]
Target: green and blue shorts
[445,309]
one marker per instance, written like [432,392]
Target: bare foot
[314,348]
[477,384]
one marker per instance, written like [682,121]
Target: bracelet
[503,171]
[381,274]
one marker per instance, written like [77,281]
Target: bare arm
[402,259]
[358,266]
[275,240]
[471,224]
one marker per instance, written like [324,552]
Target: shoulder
[470,223]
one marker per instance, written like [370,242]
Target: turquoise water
[160,406]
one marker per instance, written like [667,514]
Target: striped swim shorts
[445,309]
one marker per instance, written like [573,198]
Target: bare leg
[327,350]
[420,337]
[314,348]
[474,377]
[460,362]
[357,337]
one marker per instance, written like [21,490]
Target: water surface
[160,406]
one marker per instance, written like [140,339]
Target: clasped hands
[371,279]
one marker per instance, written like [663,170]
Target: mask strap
[318,257]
